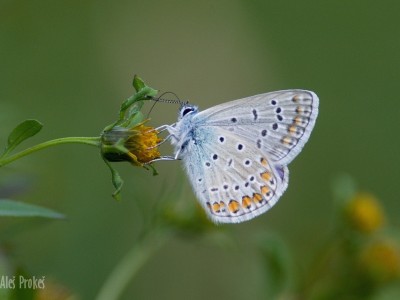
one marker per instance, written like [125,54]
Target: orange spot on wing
[296,98]
[266,175]
[299,109]
[287,141]
[292,129]
[299,121]
[216,207]
[257,198]
[233,206]
[265,190]
[264,162]
[246,202]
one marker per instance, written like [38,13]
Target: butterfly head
[187,110]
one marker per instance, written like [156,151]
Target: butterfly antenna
[172,101]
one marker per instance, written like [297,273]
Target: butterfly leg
[160,143]
[164,127]
[171,129]
[161,158]
[161,129]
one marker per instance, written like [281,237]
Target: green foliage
[277,265]
[133,105]
[360,258]
[116,180]
[129,116]
[23,131]
[131,120]
[11,208]
[114,149]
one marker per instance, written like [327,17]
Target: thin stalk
[130,264]
[93,141]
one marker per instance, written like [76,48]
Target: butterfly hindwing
[233,179]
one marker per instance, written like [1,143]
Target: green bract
[116,136]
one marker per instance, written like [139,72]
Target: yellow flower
[53,290]
[381,260]
[142,144]
[365,213]
[138,144]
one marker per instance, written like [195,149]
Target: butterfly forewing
[280,122]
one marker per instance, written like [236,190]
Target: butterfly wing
[236,153]
[279,123]
[232,178]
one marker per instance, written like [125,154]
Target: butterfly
[236,153]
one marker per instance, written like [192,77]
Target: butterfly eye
[187,110]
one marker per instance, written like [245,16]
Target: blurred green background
[70,64]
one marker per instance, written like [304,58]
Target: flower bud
[380,260]
[138,144]
[364,213]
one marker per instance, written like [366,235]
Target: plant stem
[93,141]
[129,265]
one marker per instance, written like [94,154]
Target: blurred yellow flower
[137,145]
[365,213]
[381,260]
[54,291]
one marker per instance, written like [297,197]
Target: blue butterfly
[236,153]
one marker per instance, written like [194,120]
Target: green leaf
[134,104]
[116,180]
[135,116]
[138,83]
[23,131]
[141,95]
[11,208]
[143,92]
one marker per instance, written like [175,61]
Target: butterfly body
[236,153]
